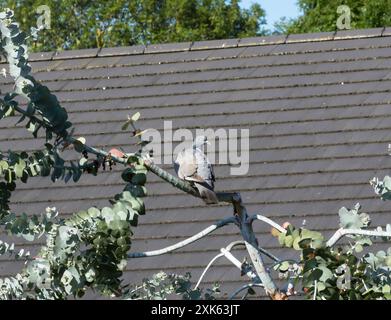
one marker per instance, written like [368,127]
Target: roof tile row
[318,113]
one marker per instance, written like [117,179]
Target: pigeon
[192,165]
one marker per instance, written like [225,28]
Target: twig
[240,212]
[32,117]
[70,139]
[253,251]
[184,185]
[283,260]
[238,264]
[270,255]
[234,244]
[263,274]
[178,183]
[207,268]
[228,248]
[268,221]
[183,243]
[343,232]
[244,223]
[246,286]
[100,152]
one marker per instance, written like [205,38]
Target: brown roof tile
[307,37]
[72,54]
[168,47]
[214,44]
[256,41]
[121,51]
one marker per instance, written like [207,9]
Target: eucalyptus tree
[91,248]
[322,15]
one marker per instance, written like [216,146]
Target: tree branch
[32,117]
[100,152]
[270,255]
[240,213]
[186,242]
[252,248]
[268,221]
[70,139]
[184,185]
[178,183]
[252,275]
[207,268]
[340,233]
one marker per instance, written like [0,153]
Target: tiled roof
[317,106]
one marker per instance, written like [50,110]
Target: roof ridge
[212,44]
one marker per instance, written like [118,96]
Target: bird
[192,165]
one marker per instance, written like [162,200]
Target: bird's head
[200,141]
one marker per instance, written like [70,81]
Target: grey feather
[192,165]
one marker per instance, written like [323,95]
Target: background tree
[79,24]
[321,15]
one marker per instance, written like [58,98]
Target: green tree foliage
[321,15]
[79,24]
[87,250]
[340,272]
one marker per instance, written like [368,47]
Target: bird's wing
[208,195]
[204,169]
[186,166]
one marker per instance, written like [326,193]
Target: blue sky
[275,9]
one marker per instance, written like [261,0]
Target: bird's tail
[208,195]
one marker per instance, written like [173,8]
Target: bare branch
[228,248]
[268,221]
[184,185]
[270,255]
[343,232]
[242,217]
[238,264]
[263,251]
[260,268]
[207,268]
[71,139]
[176,182]
[246,286]
[252,248]
[186,242]
[234,244]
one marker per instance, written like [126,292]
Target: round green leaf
[284,266]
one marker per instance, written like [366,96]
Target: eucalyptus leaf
[352,219]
